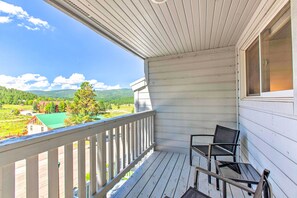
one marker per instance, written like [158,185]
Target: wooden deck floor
[169,174]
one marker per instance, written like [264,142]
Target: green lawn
[10,124]
[13,125]
[124,109]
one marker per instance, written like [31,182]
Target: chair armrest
[224,144]
[191,140]
[220,144]
[245,188]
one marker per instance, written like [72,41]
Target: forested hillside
[13,96]
[118,96]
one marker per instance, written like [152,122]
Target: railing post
[92,165]
[117,149]
[81,169]
[32,187]
[110,155]
[101,157]
[68,170]
[7,181]
[53,173]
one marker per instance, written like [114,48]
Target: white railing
[108,149]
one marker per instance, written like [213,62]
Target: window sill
[268,99]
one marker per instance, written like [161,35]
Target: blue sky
[42,48]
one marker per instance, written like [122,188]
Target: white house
[45,122]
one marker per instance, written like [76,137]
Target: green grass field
[14,125]
[124,109]
[10,124]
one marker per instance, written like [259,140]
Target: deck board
[169,174]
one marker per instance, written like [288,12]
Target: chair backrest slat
[226,135]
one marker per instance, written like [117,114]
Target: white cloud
[102,86]
[31,81]
[22,17]
[24,82]
[13,10]
[5,19]
[74,81]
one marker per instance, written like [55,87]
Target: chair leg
[217,172]
[209,168]
[190,156]
[234,158]
[196,180]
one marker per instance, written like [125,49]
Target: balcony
[55,163]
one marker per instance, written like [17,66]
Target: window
[31,128]
[269,58]
[42,129]
[252,69]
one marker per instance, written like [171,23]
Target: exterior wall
[142,99]
[191,93]
[36,128]
[268,125]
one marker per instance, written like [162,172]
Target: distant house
[45,122]
[26,113]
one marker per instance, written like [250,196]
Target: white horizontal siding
[142,100]
[192,93]
[268,125]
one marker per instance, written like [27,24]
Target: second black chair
[224,144]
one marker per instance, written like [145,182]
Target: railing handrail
[12,150]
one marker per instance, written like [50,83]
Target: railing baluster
[32,187]
[142,135]
[117,149]
[145,133]
[92,165]
[153,129]
[151,125]
[133,140]
[123,135]
[81,169]
[101,152]
[110,154]
[148,132]
[136,138]
[7,181]
[68,170]
[53,173]
[128,143]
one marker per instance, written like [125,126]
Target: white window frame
[289,94]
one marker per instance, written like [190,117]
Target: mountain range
[113,96]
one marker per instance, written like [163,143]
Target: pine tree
[84,105]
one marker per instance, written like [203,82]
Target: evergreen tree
[62,106]
[52,107]
[35,106]
[47,108]
[84,105]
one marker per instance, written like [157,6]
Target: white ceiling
[175,27]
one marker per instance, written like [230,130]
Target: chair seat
[216,151]
[193,193]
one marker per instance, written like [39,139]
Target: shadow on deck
[169,174]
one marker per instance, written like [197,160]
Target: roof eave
[97,28]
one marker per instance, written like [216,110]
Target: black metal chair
[224,144]
[263,187]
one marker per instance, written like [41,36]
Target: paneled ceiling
[177,26]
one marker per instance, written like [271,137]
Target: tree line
[17,97]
